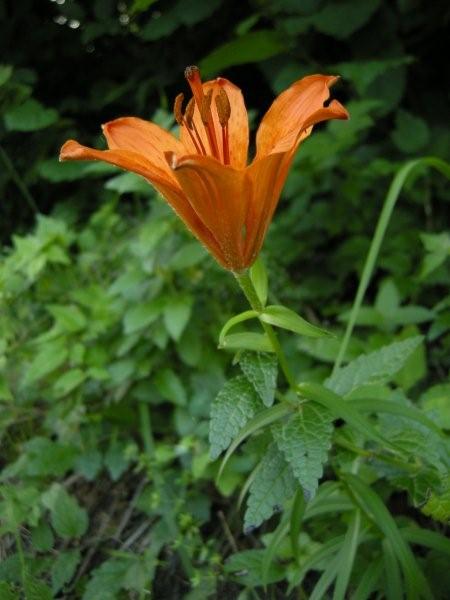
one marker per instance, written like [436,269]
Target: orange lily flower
[227,204]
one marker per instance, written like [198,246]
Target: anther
[178,109]
[192,72]
[223,107]
[189,113]
[205,110]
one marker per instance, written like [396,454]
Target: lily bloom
[204,176]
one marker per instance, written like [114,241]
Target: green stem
[17,180]
[247,287]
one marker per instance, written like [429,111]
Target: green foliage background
[110,313]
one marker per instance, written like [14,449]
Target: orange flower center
[203,102]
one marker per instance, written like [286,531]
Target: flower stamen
[203,102]
[224,112]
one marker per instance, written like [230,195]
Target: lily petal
[292,112]
[215,193]
[238,133]
[144,137]
[165,183]
[264,180]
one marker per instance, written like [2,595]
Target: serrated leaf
[305,440]
[438,505]
[374,368]
[63,568]
[233,406]
[285,318]
[261,370]
[68,518]
[37,590]
[273,484]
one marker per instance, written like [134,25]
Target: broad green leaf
[247,340]
[7,593]
[263,419]
[273,484]
[258,275]
[42,537]
[51,356]
[55,171]
[107,580]
[411,133]
[5,73]
[251,47]
[116,459]
[63,568]
[285,318]
[127,183]
[142,315]
[29,116]
[305,440]
[36,590]
[340,20]
[170,386]
[69,318]
[374,368]
[363,73]
[261,370]
[437,401]
[437,246]
[176,314]
[232,408]
[68,518]
[68,382]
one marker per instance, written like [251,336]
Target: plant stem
[17,180]
[247,287]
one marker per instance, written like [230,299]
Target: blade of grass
[394,586]
[297,513]
[382,225]
[369,580]
[373,506]
[346,557]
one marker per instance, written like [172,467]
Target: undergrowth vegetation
[121,391]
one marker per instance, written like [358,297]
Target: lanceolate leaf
[285,318]
[305,440]
[234,405]
[374,368]
[273,485]
[261,370]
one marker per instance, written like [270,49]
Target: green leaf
[247,340]
[427,538]
[254,46]
[273,484]
[176,314]
[436,400]
[142,315]
[369,580]
[68,518]
[305,440]
[29,116]
[411,133]
[342,410]
[116,459]
[107,580]
[393,577]
[260,421]
[438,505]
[377,512]
[248,568]
[346,557]
[283,317]
[240,318]
[42,537]
[50,356]
[63,568]
[68,382]
[7,593]
[374,368]
[5,73]
[261,370]
[258,275]
[170,386]
[68,317]
[342,19]
[232,408]
[37,590]
[127,183]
